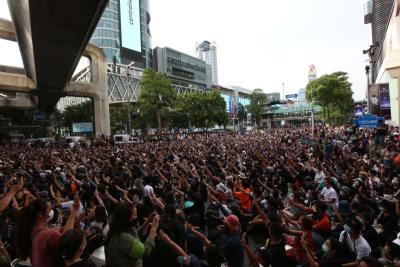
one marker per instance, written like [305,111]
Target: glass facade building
[182,69]
[108,34]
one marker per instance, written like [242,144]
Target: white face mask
[51,216]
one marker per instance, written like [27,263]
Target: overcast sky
[260,43]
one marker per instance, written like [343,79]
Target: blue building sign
[369,121]
[291,96]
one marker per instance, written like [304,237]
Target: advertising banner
[82,127]
[130,25]
[358,110]
[384,100]
[373,100]
[291,96]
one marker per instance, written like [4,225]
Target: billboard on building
[130,25]
[292,96]
[82,127]
[384,101]
[373,101]
[227,102]
[358,110]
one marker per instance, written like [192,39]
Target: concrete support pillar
[96,89]
[101,110]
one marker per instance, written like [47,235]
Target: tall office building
[208,52]
[312,73]
[123,32]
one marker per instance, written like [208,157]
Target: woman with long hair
[69,251]
[123,247]
[34,238]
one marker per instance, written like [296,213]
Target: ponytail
[26,221]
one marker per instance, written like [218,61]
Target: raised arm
[250,255]
[5,201]
[99,200]
[165,238]
[199,235]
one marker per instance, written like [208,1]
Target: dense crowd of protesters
[281,197]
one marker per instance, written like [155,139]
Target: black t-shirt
[371,236]
[278,255]
[333,262]
[82,263]
[194,244]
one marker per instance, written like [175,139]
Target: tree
[217,109]
[242,113]
[257,98]
[156,92]
[333,93]
[118,117]
[203,110]
[197,108]
[82,112]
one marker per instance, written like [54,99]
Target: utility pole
[128,74]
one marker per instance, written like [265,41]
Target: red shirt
[322,225]
[44,245]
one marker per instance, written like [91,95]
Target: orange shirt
[244,199]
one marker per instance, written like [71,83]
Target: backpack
[349,254]
[94,241]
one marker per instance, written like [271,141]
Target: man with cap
[230,242]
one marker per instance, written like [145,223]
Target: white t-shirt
[319,176]
[330,194]
[68,205]
[359,246]
[148,189]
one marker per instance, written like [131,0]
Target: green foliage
[161,106]
[217,112]
[333,93]
[257,98]
[156,93]
[203,110]
[82,112]
[242,113]
[119,117]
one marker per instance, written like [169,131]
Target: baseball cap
[221,187]
[188,204]
[232,222]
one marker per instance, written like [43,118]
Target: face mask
[51,216]
[325,248]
